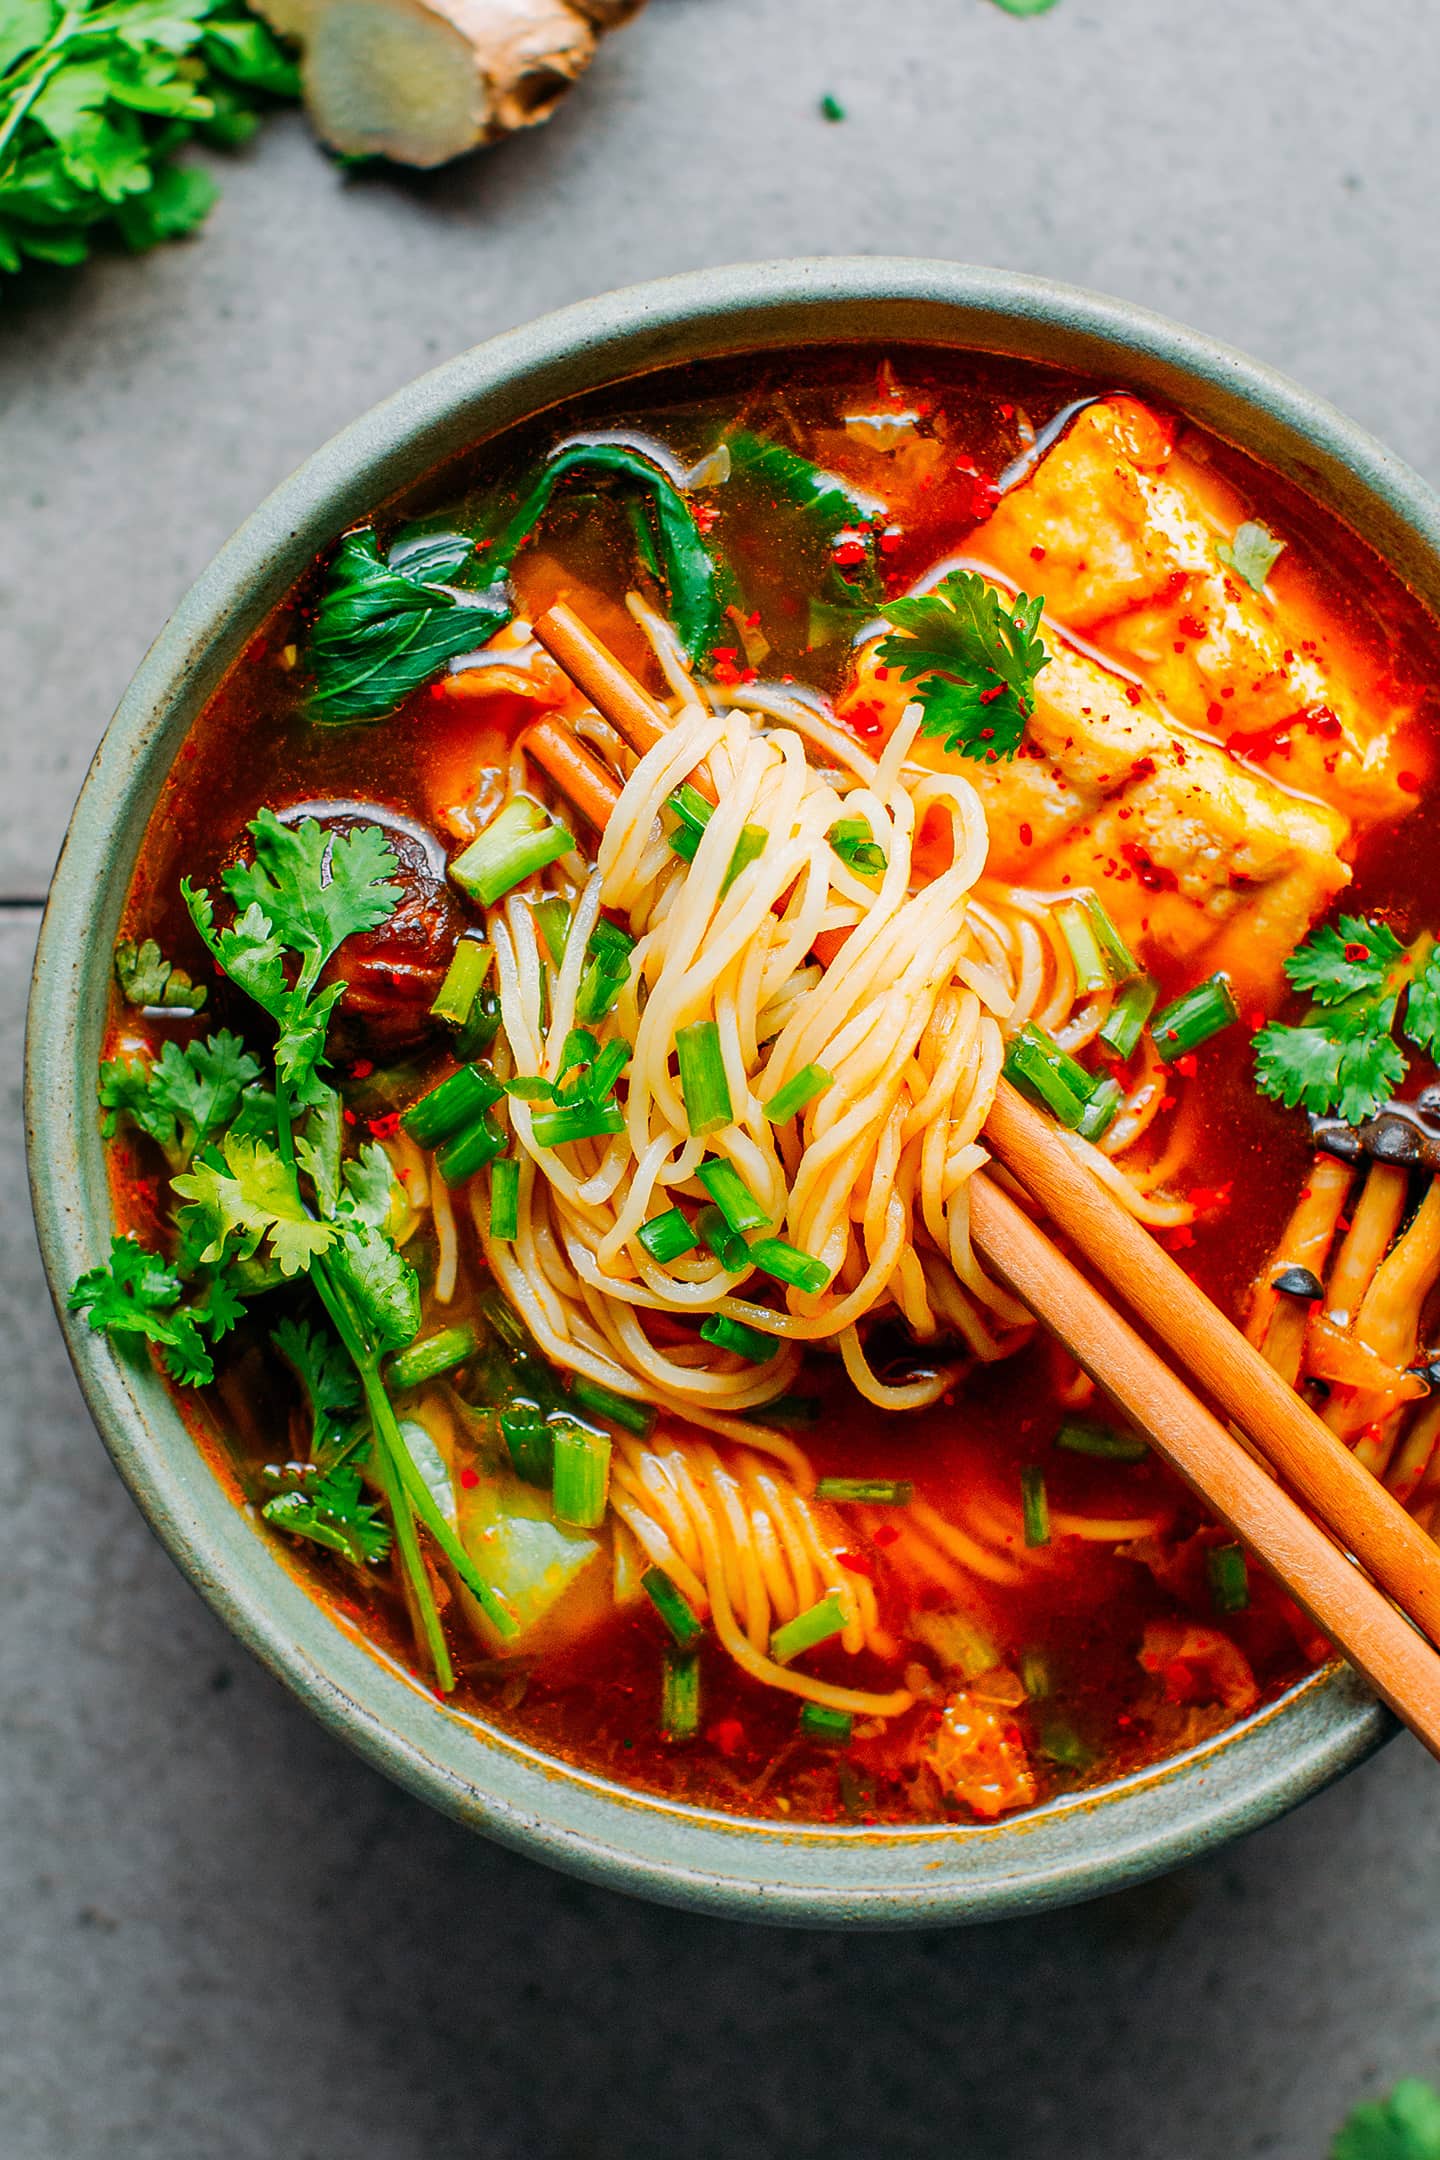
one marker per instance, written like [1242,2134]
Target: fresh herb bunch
[267,1196]
[1342,1056]
[973,661]
[95,101]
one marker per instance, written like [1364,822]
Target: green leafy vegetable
[973,661]
[1406,2126]
[1342,1056]
[96,100]
[138,1293]
[146,978]
[387,624]
[830,528]
[244,1191]
[181,1097]
[1252,554]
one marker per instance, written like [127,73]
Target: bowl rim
[889,1876]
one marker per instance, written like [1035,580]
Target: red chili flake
[1214,713]
[1255,1021]
[885,1535]
[1142,769]
[1210,1198]
[865,719]
[386,1126]
[1191,626]
[1168,1102]
[1037,554]
[725,652]
[725,671]
[1187,1066]
[857,1564]
[1152,875]
[848,549]
[889,541]
[361,1069]
[1026,836]
[1179,1239]
[752,620]
[1007,412]
[1179,645]
[469,1478]
[1409,781]
[882,674]
[1132,692]
[988,697]
[727,1734]
[749,675]
[349,1116]
[706,517]
[1319,720]
[1357,952]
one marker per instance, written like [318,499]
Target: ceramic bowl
[825,1876]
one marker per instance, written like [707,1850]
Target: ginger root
[423,81]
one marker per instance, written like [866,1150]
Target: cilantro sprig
[973,661]
[147,979]
[1342,1055]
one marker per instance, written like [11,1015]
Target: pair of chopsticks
[1345,1512]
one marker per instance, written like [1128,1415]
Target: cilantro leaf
[973,661]
[324,1370]
[369,1185]
[1406,2126]
[1342,1056]
[147,978]
[138,1293]
[243,1190]
[1252,554]
[328,1510]
[181,1097]
[315,887]
[1422,1006]
[1345,960]
[378,1281]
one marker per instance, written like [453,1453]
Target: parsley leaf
[1252,554]
[181,1097]
[244,1191]
[1406,2126]
[1342,1056]
[973,661]
[138,1293]
[147,978]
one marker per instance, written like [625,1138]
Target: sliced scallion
[524,838]
[1091,971]
[680,1696]
[469,1150]
[775,1256]
[1086,1436]
[810,1081]
[690,806]
[464,980]
[730,1193]
[1229,1578]
[1124,1024]
[576,1121]
[746,1342]
[531,1443]
[431,1356]
[1124,967]
[1100,1113]
[748,848]
[786,1410]
[665,1237]
[504,1199]
[1035,1673]
[703,1084]
[601,1401]
[1192,1019]
[727,1245]
[552,917]
[581,1484]
[674,1608]
[1064,1747]
[856,845]
[451,1105]
[875,1491]
[607,970]
[481,1028]
[816,1625]
[1039,1067]
[1034,1505]
[832,1728]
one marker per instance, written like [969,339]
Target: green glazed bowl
[853,1877]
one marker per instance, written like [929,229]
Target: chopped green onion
[1035,1673]
[856,845]
[531,1442]
[433,1355]
[748,848]
[1229,1578]
[1102,1109]
[690,806]
[665,1237]
[776,1256]
[731,1194]
[1124,967]
[1194,1018]
[674,1608]
[746,1342]
[470,1150]
[1041,1069]
[530,1087]
[581,1486]
[832,1728]
[680,1696]
[504,1199]
[786,1410]
[1085,1436]
[521,840]
[606,1070]
[1035,1506]
[607,970]
[636,1417]
[875,1491]
[1064,1747]
[727,1245]
[810,1081]
[576,1121]
[1091,970]
[552,915]
[703,1084]
[807,1629]
[481,1028]
[451,1105]
[464,980]
[1125,1022]
[685,842]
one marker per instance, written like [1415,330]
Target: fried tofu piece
[1120,531]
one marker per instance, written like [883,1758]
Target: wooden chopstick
[1399,1664]
[1348,1501]
[1367,1520]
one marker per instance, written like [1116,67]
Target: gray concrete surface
[222,1939]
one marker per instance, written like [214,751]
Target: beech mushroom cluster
[423,81]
